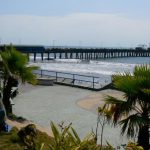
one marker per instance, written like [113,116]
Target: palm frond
[55,132]
[118,108]
[76,135]
[146,91]
[106,112]
[136,108]
[131,124]
[126,84]
[142,71]
[113,100]
[15,63]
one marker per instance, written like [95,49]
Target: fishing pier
[80,53]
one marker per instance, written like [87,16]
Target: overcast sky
[117,23]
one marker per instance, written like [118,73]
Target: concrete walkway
[43,104]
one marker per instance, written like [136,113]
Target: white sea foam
[68,60]
[104,67]
[75,68]
[104,63]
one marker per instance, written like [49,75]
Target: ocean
[103,68]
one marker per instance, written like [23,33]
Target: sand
[93,101]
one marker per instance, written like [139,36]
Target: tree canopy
[14,68]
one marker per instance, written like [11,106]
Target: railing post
[73,79]
[56,76]
[34,56]
[41,73]
[93,82]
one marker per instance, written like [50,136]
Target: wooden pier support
[79,53]
[88,54]
[34,56]
[42,56]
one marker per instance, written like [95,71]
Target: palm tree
[15,67]
[2,108]
[133,113]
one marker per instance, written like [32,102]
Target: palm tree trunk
[2,107]
[7,95]
[143,137]
[2,115]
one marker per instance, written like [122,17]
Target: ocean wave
[91,67]
[74,68]
[68,60]
[112,63]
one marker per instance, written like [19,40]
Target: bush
[67,139]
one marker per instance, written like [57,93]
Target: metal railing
[70,78]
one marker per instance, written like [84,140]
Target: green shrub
[67,139]
[15,138]
[133,146]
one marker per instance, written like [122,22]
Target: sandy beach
[93,101]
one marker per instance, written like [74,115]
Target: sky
[101,23]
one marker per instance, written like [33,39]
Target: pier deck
[80,53]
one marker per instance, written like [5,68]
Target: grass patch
[7,143]
[11,141]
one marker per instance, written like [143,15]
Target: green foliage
[11,141]
[34,139]
[43,141]
[42,146]
[133,112]
[107,147]
[104,117]
[133,146]
[14,68]
[16,64]
[105,112]
[15,138]
[67,139]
